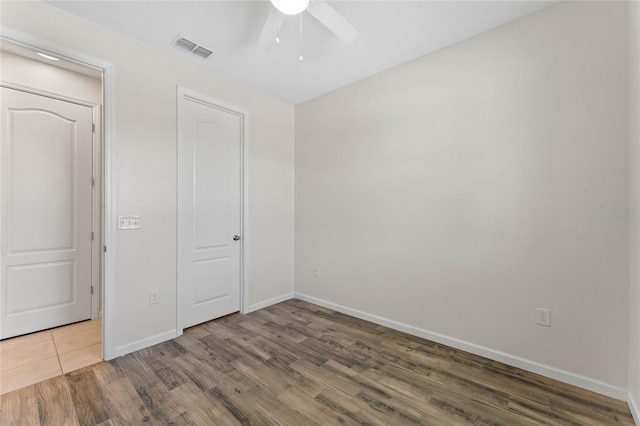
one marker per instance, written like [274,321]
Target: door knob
[236,237]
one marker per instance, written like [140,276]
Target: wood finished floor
[299,364]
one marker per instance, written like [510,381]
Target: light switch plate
[129,222]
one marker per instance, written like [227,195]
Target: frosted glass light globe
[290,7]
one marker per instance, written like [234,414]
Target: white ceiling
[391,32]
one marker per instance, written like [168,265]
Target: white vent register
[193,47]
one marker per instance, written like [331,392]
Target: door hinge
[93,181]
[91,289]
[91,235]
[105,249]
[93,127]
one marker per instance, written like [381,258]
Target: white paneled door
[45,215]
[210,210]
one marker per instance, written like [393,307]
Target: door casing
[108,182]
[183,93]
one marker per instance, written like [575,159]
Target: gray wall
[458,192]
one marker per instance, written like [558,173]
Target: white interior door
[45,214]
[210,210]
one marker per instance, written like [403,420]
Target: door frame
[96,151]
[108,176]
[183,94]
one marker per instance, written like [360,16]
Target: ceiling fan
[319,9]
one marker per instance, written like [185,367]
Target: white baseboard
[635,412]
[145,343]
[163,337]
[515,361]
[272,301]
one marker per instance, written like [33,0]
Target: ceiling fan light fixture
[290,7]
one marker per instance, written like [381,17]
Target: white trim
[179,322]
[145,343]
[181,94]
[108,84]
[244,217]
[47,94]
[41,45]
[515,361]
[109,213]
[633,407]
[96,214]
[269,302]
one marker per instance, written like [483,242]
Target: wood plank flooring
[299,364]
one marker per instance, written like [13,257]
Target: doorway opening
[54,268]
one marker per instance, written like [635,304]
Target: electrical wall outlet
[543,317]
[316,271]
[154,297]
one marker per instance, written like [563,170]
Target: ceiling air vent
[192,47]
[202,51]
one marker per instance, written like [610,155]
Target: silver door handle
[236,237]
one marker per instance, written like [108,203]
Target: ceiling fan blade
[331,19]
[271,28]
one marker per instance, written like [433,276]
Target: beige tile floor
[30,359]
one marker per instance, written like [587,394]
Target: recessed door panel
[207,273]
[42,147]
[45,216]
[211,171]
[34,287]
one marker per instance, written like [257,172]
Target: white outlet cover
[543,317]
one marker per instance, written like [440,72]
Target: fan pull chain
[301,58]
[277,26]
